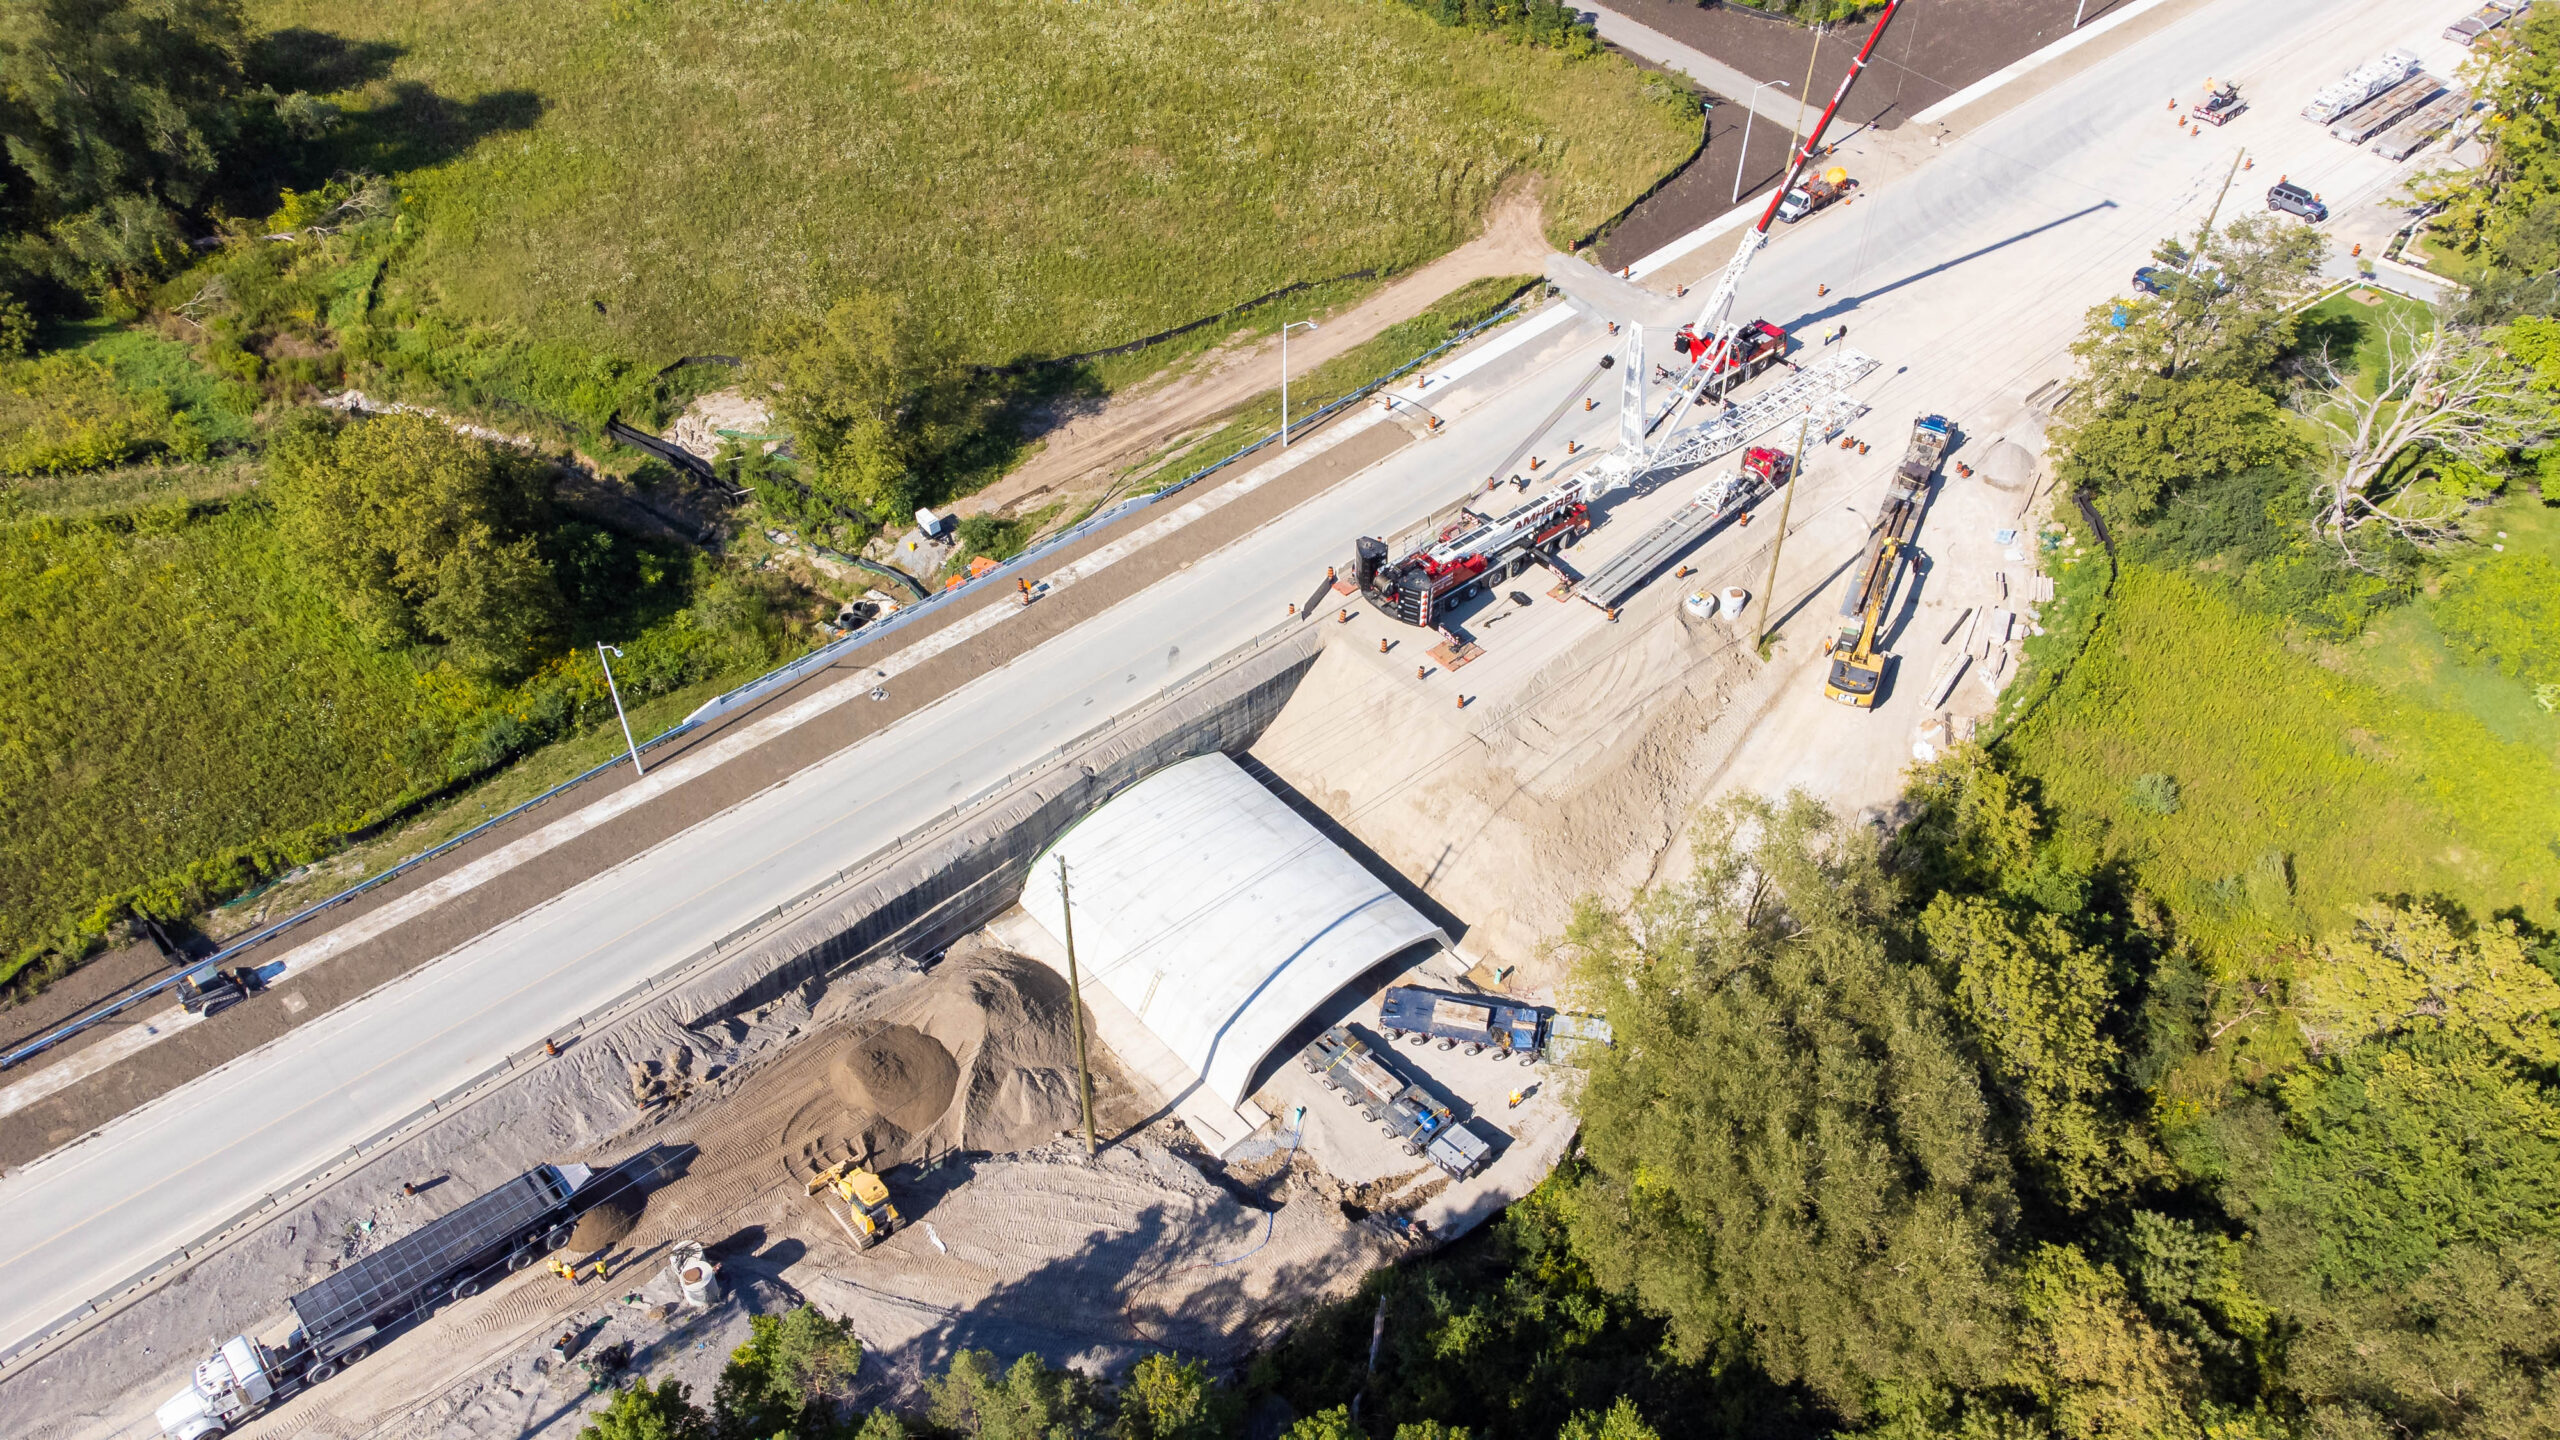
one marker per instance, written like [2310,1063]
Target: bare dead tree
[215,292]
[2441,390]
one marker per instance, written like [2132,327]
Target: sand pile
[1580,779]
[900,1077]
[976,1055]
[604,1225]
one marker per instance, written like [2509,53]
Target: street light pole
[1748,114]
[1284,375]
[616,692]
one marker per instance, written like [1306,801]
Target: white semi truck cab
[232,1384]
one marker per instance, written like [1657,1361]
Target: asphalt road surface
[1966,277]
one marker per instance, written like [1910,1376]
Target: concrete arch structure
[1216,915]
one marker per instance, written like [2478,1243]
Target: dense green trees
[115,118]
[1793,1158]
[2508,212]
[2182,387]
[864,391]
[424,534]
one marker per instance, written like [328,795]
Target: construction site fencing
[753,691]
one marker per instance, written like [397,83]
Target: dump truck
[1857,664]
[337,1322]
[1831,185]
[1479,1022]
[2359,85]
[1402,1110]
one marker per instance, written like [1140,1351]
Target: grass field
[166,692]
[1036,177]
[2303,789]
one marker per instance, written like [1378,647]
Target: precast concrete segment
[1971,273]
[1216,914]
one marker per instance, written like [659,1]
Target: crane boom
[1716,324]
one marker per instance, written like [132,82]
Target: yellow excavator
[865,1194]
[1857,662]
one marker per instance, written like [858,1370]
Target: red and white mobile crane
[1476,549]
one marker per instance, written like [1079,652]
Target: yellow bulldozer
[865,1194]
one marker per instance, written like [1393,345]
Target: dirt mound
[604,1225]
[977,1055]
[895,1072]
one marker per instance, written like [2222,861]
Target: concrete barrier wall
[918,902]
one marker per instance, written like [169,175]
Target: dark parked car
[2151,279]
[2292,199]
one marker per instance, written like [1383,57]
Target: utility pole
[1075,998]
[616,692]
[2195,261]
[1795,132]
[1786,507]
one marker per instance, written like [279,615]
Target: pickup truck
[1814,194]
[1479,1022]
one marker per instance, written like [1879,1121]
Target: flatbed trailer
[2388,109]
[1402,1109]
[1479,1022]
[2345,93]
[2419,130]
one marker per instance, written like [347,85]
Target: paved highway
[1966,276]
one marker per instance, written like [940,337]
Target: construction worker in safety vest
[560,1267]
[601,1272]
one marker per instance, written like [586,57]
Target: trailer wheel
[1449,1043]
[1475,1049]
[466,1287]
[1394,1034]
[518,1259]
[355,1353]
[558,1239]
[320,1372]
[1412,1149]
[1528,1060]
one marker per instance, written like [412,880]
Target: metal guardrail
[683,971]
[780,678]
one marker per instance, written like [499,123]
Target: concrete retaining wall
[918,902]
